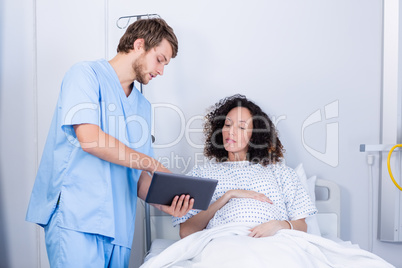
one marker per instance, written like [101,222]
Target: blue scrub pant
[68,248]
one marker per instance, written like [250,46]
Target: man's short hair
[153,31]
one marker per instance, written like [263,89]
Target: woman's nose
[232,130]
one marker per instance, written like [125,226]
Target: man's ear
[139,44]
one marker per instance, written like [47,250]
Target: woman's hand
[268,228]
[180,206]
[248,194]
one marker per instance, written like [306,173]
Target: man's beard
[138,68]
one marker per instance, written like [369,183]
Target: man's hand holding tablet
[170,191]
[178,207]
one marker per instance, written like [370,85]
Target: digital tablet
[165,186]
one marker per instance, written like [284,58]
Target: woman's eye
[243,126]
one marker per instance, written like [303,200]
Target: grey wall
[17,137]
[293,58]
[3,247]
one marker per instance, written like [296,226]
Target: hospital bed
[160,234]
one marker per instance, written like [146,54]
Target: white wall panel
[68,32]
[17,135]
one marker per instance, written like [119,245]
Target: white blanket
[230,246]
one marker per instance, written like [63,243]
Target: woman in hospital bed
[254,187]
[256,199]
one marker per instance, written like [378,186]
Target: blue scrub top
[96,196]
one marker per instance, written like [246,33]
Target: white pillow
[309,185]
[302,176]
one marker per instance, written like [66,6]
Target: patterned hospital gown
[279,182]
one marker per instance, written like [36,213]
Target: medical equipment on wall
[137,17]
[390,192]
[368,148]
[389,166]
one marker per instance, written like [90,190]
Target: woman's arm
[200,221]
[271,227]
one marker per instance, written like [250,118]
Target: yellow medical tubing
[389,166]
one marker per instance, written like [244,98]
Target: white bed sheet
[159,245]
[230,246]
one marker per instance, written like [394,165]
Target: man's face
[152,63]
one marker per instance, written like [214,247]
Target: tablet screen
[165,186]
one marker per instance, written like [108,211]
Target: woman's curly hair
[264,146]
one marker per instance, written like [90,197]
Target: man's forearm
[143,185]
[96,142]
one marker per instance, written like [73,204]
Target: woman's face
[236,133]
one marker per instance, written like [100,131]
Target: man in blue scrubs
[98,154]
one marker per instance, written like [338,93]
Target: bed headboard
[328,203]
[159,225]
